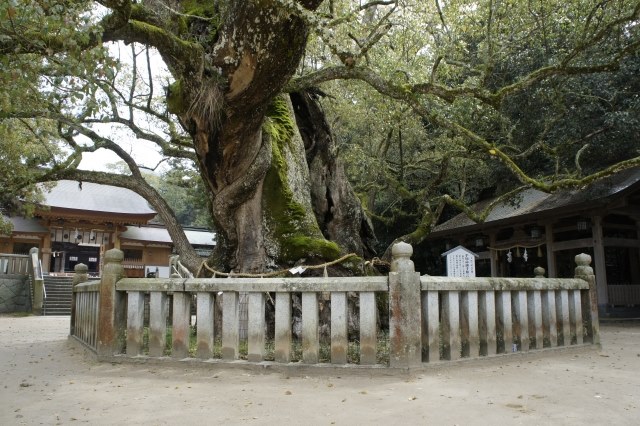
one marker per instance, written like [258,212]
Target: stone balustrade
[14,264]
[430,319]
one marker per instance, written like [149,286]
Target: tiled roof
[532,201]
[161,235]
[22,225]
[95,197]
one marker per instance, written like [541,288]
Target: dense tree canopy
[432,103]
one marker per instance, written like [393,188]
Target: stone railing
[21,283]
[14,264]
[430,319]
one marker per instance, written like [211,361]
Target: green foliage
[404,156]
[183,189]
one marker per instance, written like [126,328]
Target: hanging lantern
[582,224]
[535,232]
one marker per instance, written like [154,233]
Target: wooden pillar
[46,253]
[551,255]
[599,263]
[493,255]
[635,270]
[116,237]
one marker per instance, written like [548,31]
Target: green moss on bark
[176,103]
[201,19]
[297,234]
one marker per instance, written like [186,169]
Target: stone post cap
[81,268]
[401,257]
[539,272]
[583,259]
[33,250]
[114,256]
[401,249]
[583,269]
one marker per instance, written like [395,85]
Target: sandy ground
[46,379]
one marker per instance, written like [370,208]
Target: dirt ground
[46,379]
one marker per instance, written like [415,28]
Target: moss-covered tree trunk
[230,60]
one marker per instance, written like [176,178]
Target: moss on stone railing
[323,320]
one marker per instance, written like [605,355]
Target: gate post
[590,304]
[111,315]
[405,332]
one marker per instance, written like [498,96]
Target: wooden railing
[623,294]
[430,319]
[85,307]
[84,317]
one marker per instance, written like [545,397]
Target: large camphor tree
[241,103]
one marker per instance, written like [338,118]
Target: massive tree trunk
[250,153]
[337,209]
[230,61]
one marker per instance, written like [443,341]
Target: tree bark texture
[336,207]
[231,61]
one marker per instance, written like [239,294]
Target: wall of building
[157,256]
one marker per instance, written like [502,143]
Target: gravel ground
[47,379]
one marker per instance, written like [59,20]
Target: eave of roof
[161,235]
[27,226]
[73,197]
[536,205]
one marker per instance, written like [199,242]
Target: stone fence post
[405,333]
[38,282]
[111,315]
[585,272]
[81,275]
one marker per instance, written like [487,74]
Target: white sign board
[461,262]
